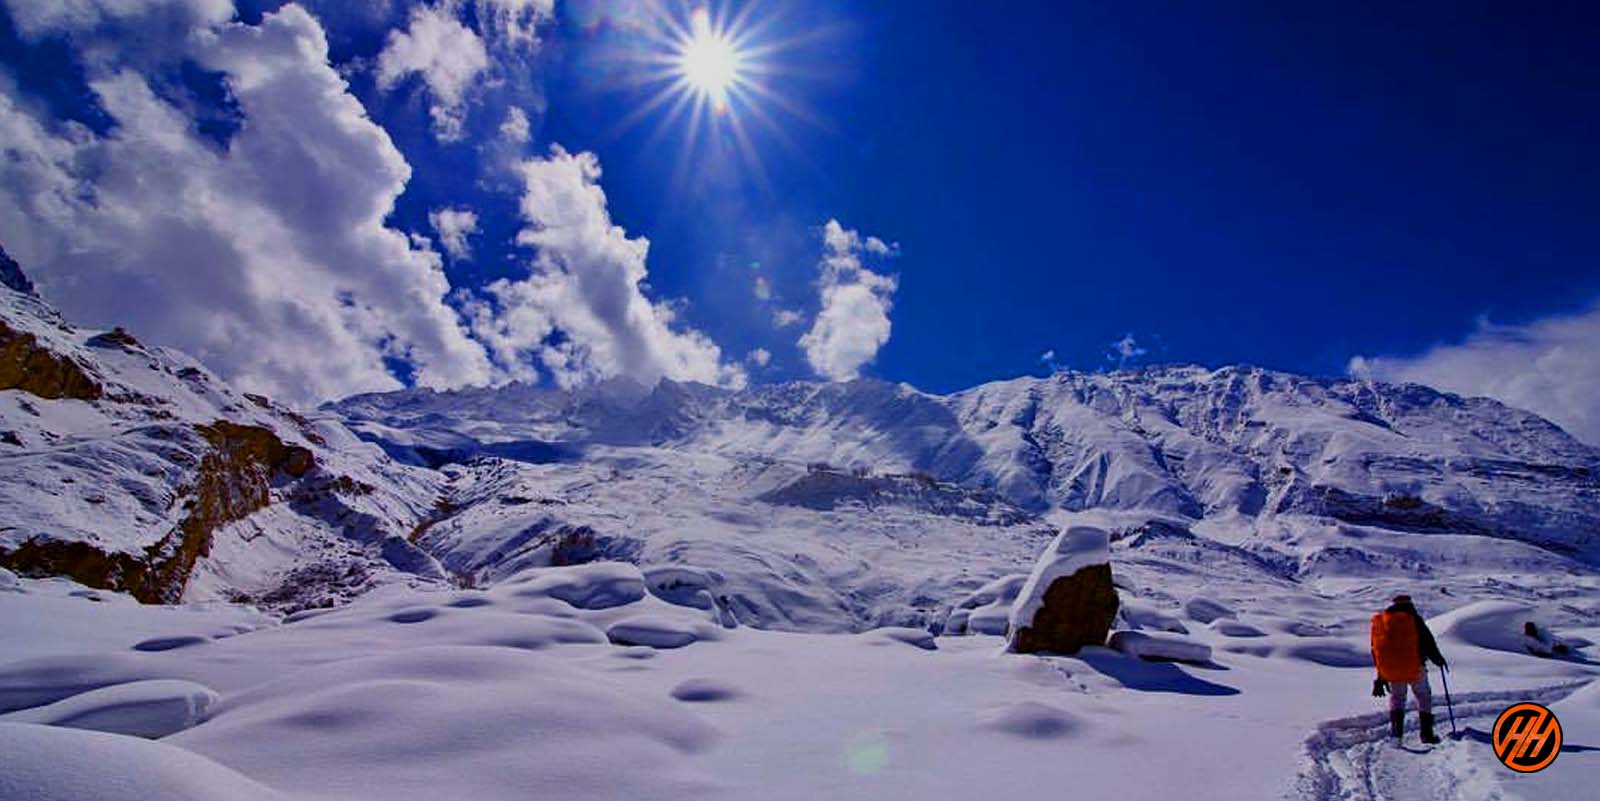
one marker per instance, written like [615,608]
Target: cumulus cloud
[448,55]
[1550,366]
[581,313]
[268,258]
[453,227]
[762,288]
[759,357]
[516,127]
[783,318]
[853,322]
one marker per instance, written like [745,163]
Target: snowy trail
[1353,759]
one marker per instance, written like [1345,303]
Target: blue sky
[1403,193]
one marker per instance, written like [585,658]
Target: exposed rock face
[1077,611]
[11,274]
[232,480]
[32,368]
[1069,600]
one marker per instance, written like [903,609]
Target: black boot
[1397,724]
[1427,728]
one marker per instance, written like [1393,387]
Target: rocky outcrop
[11,275]
[1069,600]
[233,479]
[27,365]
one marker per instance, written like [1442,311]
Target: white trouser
[1420,688]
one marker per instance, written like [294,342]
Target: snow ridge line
[1320,781]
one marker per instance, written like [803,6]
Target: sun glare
[709,61]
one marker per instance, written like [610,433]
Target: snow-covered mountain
[134,468]
[814,506]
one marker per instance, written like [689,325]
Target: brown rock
[1077,611]
[32,368]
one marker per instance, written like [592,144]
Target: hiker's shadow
[1155,677]
[1484,737]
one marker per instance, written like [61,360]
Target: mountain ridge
[807,505]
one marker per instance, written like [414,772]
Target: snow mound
[704,690]
[1160,647]
[1205,610]
[44,680]
[9,581]
[919,638]
[683,585]
[993,619]
[457,723]
[151,709]
[1496,625]
[1032,720]
[1141,616]
[44,763]
[986,610]
[1072,550]
[657,631]
[1234,628]
[597,585]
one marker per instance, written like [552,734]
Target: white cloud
[581,313]
[454,226]
[1048,357]
[517,21]
[516,127]
[447,54]
[783,318]
[1125,350]
[1550,366]
[269,258]
[35,18]
[759,357]
[762,288]
[854,320]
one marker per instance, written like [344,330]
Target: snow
[1206,610]
[1160,646]
[44,763]
[152,709]
[598,585]
[657,632]
[1075,548]
[498,690]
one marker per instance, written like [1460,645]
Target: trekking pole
[1444,675]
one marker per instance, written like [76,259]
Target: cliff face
[133,468]
[34,369]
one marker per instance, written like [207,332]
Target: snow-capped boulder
[598,585]
[658,631]
[1068,601]
[986,610]
[1140,616]
[1160,647]
[151,709]
[1205,610]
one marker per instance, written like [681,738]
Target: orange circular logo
[1527,737]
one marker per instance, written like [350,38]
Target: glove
[1379,688]
[1443,665]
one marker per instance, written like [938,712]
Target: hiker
[1400,642]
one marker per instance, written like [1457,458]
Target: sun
[708,61]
